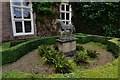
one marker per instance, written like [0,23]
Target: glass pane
[67,7]
[26,3]
[26,13]
[67,16]
[62,7]
[67,22]
[18,27]
[63,16]
[63,21]
[27,25]
[16,2]
[17,12]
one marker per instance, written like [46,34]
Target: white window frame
[22,7]
[64,11]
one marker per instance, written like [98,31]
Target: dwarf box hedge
[111,46]
[14,43]
[16,52]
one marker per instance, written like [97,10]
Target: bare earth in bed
[33,63]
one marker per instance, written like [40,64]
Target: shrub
[109,30]
[92,53]
[14,43]
[55,58]
[78,48]
[81,57]
[16,52]
[111,46]
[62,65]
[42,50]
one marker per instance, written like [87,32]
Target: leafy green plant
[78,48]
[81,57]
[43,9]
[62,65]
[42,50]
[55,58]
[92,53]
[14,43]
[109,30]
[14,53]
[96,16]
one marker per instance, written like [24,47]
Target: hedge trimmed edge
[16,52]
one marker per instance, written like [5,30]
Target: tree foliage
[97,18]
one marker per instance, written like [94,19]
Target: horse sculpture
[65,29]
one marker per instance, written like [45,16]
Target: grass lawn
[5,46]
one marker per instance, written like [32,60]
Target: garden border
[16,52]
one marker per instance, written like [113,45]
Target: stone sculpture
[65,29]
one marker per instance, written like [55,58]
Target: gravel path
[30,63]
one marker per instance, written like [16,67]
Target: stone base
[70,54]
[68,47]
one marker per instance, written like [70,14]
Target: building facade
[19,21]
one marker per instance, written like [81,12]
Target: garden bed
[111,46]
[34,64]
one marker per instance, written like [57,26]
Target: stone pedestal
[67,46]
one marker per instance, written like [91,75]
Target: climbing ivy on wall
[43,9]
[46,14]
[97,18]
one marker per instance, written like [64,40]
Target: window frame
[22,7]
[65,11]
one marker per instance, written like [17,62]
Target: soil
[33,63]
[103,58]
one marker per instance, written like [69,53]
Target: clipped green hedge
[108,71]
[16,52]
[111,46]
[14,43]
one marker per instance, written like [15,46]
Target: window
[22,17]
[65,13]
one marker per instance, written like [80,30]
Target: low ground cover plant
[81,57]
[55,58]
[92,53]
[78,48]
